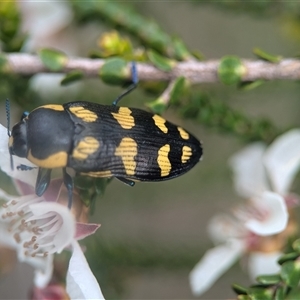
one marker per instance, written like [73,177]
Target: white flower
[37,227]
[81,283]
[48,25]
[44,21]
[264,176]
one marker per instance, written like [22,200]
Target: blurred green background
[152,235]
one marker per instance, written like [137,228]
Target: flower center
[35,233]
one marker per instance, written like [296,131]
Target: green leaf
[292,294]
[239,290]
[198,55]
[160,61]
[54,60]
[296,245]
[3,63]
[181,52]
[269,279]
[157,106]
[115,71]
[250,85]
[279,294]
[231,70]
[178,89]
[260,293]
[72,77]
[286,257]
[290,273]
[266,56]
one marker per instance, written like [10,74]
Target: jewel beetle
[97,140]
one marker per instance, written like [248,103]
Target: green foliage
[257,8]
[72,77]
[124,16]
[266,56]
[158,106]
[90,189]
[219,116]
[231,70]
[160,62]
[54,60]
[284,285]
[10,21]
[115,71]
[149,43]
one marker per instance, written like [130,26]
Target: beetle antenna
[7,108]
[134,82]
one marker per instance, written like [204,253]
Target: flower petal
[25,176]
[85,229]
[260,263]
[42,20]
[277,215]
[43,276]
[223,227]
[214,263]
[249,176]
[282,160]
[81,282]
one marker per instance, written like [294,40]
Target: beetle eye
[19,138]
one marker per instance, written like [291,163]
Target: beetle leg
[68,181]
[42,181]
[126,181]
[134,79]
[22,167]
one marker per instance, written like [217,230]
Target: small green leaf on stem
[157,106]
[269,279]
[180,50]
[240,290]
[296,245]
[287,257]
[231,70]
[260,293]
[161,62]
[54,60]
[250,85]
[266,56]
[115,71]
[279,294]
[178,89]
[72,77]
[3,63]
[290,273]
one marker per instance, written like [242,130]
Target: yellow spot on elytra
[183,133]
[163,160]
[56,160]
[57,107]
[127,150]
[160,123]
[83,113]
[124,118]
[106,173]
[85,147]
[186,154]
